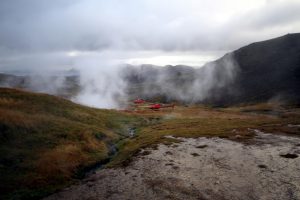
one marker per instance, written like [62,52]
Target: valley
[150,100]
[54,143]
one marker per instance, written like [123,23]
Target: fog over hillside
[259,72]
[149,99]
[262,71]
[99,38]
[180,83]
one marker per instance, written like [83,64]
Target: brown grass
[45,140]
[62,161]
[200,121]
[16,118]
[9,102]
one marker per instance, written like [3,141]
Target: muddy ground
[265,167]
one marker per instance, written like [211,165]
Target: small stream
[112,151]
[132,132]
[266,167]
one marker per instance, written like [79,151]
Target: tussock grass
[45,140]
[201,121]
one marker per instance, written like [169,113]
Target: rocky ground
[265,167]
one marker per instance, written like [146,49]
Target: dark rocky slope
[259,72]
[269,69]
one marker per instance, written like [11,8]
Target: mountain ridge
[259,72]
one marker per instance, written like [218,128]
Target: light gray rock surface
[202,168]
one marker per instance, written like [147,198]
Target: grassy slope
[200,121]
[44,140]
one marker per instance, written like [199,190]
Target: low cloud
[97,36]
[182,83]
[100,87]
[90,25]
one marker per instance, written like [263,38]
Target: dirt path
[267,168]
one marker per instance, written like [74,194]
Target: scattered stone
[262,166]
[169,153]
[223,136]
[175,167]
[202,146]
[145,153]
[289,155]
[169,164]
[238,137]
[217,182]
[297,151]
[194,154]
[227,170]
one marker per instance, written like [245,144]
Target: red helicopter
[139,101]
[158,106]
[155,106]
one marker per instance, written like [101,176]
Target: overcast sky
[59,34]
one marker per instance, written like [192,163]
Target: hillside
[259,72]
[199,152]
[46,140]
[266,70]
[60,84]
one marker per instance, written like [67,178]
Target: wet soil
[202,168]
